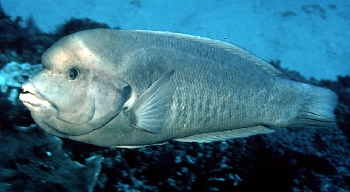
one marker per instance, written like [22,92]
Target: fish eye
[72,73]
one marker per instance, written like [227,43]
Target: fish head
[74,94]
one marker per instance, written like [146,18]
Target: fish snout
[31,97]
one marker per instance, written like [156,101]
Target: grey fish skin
[137,88]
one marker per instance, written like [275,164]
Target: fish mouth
[31,97]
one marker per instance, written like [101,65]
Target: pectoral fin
[149,112]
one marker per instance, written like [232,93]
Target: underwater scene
[136,95]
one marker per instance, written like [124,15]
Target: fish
[135,88]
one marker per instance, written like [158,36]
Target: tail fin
[318,109]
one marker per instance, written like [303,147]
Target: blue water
[311,37]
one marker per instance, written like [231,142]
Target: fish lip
[29,87]
[31,97]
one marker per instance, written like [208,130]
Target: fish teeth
[25,91]
[28,87]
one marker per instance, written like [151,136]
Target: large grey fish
[135,88]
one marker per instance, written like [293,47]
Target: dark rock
[75,25]
[34,161]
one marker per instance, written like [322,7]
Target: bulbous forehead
[70,50]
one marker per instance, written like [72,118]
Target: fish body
[131,88]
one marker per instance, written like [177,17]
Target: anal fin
[224,135]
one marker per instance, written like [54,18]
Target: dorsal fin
[233,49]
